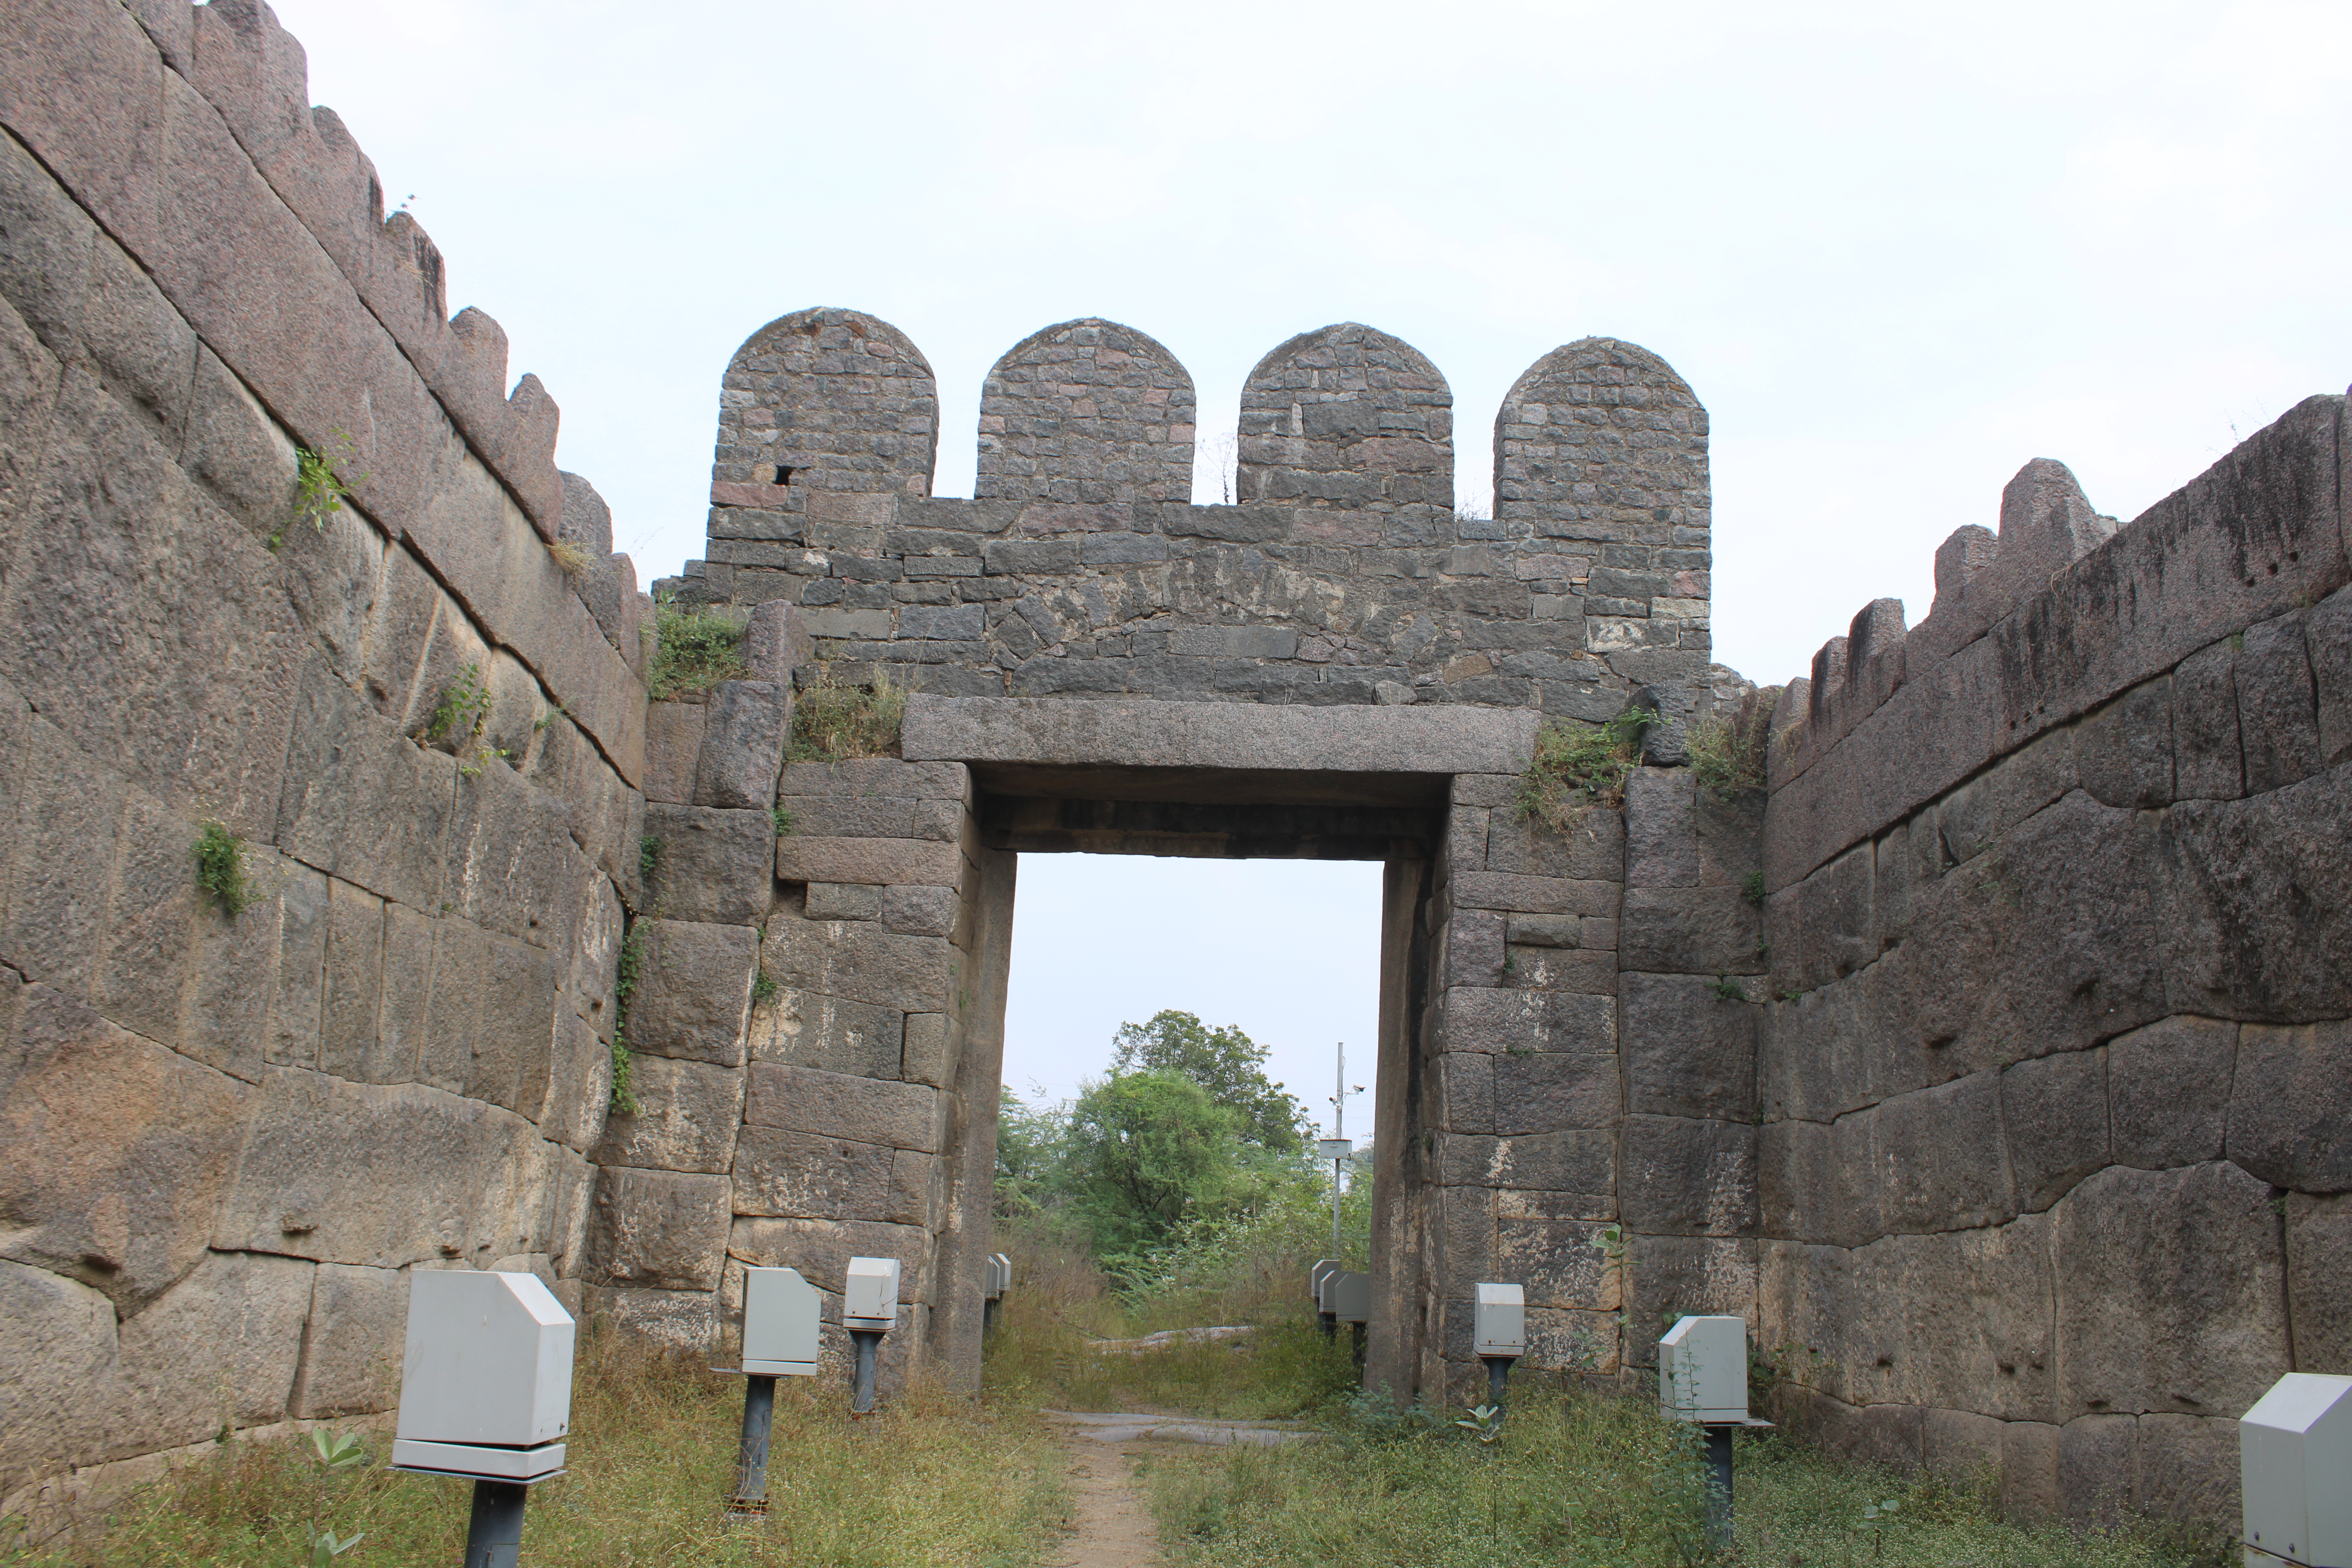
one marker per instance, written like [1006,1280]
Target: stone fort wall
[222,1140]
[2008,1119]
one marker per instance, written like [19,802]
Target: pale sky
[1897,251]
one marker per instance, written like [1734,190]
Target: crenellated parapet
[1344,574]
[2038,623]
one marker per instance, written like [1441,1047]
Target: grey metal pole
[989,1309]
[1331,1321]
[861,1400]
[1499,1372]
[750,1500]
[1718,1488]
[494,1533]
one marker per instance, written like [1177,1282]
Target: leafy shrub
[1726,748]
[694,650]
[1580,765]
[833,722]
[220,868]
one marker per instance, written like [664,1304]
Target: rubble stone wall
[2051,1177]
[222,1141]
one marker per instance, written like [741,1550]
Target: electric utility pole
[1337,1148]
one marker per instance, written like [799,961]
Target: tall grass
[1249,1270]
[1582,1481]
[934,1480]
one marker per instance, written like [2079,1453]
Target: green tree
[1029,1151]
[1145,1151]
[1223,1061]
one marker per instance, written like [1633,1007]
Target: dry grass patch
[694,650]
[833,723]
[933,1479]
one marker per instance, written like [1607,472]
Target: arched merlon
[1086,412]
[1347,418]
[2063,612]
[824,400]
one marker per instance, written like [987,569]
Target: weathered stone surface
[313,1182]
[804,1099]
[57,1339]
[673,750]
[1534,895]
[1962,1444]
[1691,930]
[120,1152]
[1688,1177]
[246,1311]
[843,902]
[1820,929]
[2029,1470]
[821,1249]
[885,861]
[2287,1123]
[694,991]
[1931,1160]
[920,912]
[2319,1277]
[1468,1080]
[1484,1019]
[855,816]
[876,778]
[2053,1116]
[513,866]
[712,866]
[1088,412]
[1689,1052]
[2208,761]
[2189,1471]
[803,1028]
[2327,630]
[858,961]
[1975,815]
[1590,848]
[2262,922]
[2123,751]
[1256,736]
[2278,721]
[934,1045]
[1546,967]
[1557,1263]
[353,1342]
[185,655]
[659,1230]
[677,1320]
[2168,1092]
[782,1173]
[365,803]
[687,1118]
[1665,1274]
[1550,1091]
[1890,1436]
[743,745]
[1661,829]
[2170,1289]
[2096,1457]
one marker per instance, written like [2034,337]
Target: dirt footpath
[1113,1528]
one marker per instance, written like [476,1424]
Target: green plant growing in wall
[694,650]
[763,988]
[1726,989]
[1751,887]
[320,487]
[1581,765]
[1726,748]
[221,870]
[833,723]
[784,820]
[463,710]
[650,851]
[624,985]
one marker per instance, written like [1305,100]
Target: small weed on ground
[932,1479]
[694,650]
[220,869]
[1580,765]
[833,723]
